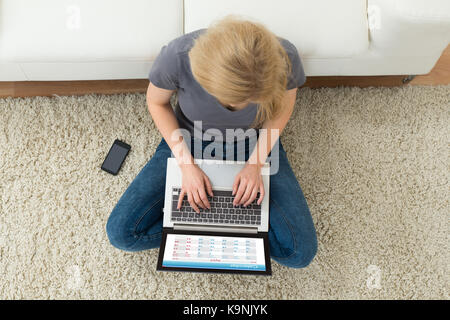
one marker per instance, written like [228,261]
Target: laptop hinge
[211,228]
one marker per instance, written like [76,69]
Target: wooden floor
[439,75]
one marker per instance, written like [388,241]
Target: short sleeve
[297,77]
[164,71]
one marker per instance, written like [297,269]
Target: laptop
[222,239]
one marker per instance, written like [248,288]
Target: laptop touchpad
[221,174]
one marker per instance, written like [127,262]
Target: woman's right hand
[194,183]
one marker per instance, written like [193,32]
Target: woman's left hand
[247,183]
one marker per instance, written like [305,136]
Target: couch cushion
[430,10]
[318,28]
[86,30]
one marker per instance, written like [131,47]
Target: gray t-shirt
[171,70]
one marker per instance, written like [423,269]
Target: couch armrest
[409,27]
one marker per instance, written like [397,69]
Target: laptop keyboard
[222,210]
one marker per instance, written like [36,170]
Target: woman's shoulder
[184,43]
[297,77]
[290,48]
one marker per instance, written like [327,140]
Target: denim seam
[290,228]
[135,234]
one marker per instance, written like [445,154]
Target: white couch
[116,39]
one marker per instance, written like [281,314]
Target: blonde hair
[238,60]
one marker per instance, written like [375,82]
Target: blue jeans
[136,220]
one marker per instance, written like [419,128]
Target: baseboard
[65,88]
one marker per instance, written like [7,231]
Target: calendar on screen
[214,252]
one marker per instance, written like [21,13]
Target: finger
[180,198]
[197,200]
[252,196]
[204,197]
[237,179]
[208,186]
[247,194]
[261,193]
[240,192]
[192,202]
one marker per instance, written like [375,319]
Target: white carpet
[373,164]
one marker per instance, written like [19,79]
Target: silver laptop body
[221,173]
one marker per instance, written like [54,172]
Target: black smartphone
[116,156]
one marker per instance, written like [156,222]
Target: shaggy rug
[373,165]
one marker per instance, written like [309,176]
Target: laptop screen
[203,252]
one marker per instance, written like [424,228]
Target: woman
[234,75]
